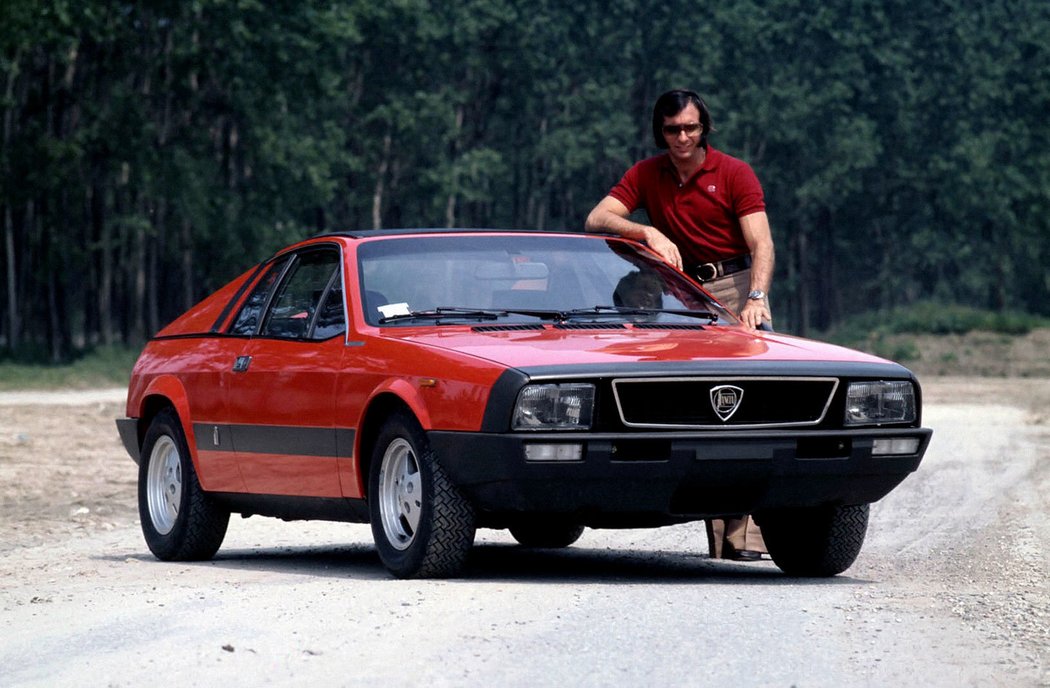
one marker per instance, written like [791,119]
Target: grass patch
[886,333]
[928,317]
[100,367]
[947,339]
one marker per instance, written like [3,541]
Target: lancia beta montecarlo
[432,382]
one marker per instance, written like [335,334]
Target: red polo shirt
[701,216]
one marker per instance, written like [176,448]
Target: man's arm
[610,215]
[759,239]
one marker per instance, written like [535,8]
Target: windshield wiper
[604,311]
[460,313]
[535,313]
[445,312]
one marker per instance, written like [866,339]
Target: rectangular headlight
[880,401]
[554,407]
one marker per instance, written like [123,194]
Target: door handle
[241,364]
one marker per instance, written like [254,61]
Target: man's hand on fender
[754,312]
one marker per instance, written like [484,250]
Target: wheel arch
[167,392]
[379,408]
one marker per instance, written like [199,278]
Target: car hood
[553,346]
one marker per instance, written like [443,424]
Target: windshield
[523,278]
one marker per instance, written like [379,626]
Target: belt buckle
[706,272]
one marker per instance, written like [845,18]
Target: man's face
[682,133]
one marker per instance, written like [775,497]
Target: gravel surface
[951,588]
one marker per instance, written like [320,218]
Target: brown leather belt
[705,272]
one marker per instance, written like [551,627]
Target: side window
[330,319]
[299,295]
[248,318]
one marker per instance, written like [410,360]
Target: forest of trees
[150,151]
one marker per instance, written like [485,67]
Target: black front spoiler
[675,476]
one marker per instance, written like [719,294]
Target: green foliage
[151,151]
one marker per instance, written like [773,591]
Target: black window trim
[324,299]
[269,296]
[294,257]
[234,301]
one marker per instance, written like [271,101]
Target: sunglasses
[676,129]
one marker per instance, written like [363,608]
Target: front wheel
[422,525]
[180,521]
[815,541]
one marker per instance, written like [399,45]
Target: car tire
[815,541]
[546,534]
[422,525]
[180,521]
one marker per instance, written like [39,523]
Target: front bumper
[644,478]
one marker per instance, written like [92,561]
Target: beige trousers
[731,290]
[739,533]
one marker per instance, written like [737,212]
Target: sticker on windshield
[393,309]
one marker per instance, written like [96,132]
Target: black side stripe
[276,439]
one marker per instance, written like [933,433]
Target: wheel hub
[400,494]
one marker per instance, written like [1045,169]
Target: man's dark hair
[673,102]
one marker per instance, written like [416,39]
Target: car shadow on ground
[334,561]
[502,563]
[581,565]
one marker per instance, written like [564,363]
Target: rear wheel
[180,521]
[422,525]
[815,541]
[543,533]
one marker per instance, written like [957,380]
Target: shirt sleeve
[628,189]
[747,195]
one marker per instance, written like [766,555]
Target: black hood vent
[589,326]
[667,326]
[506,328]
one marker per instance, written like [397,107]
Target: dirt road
[951,588]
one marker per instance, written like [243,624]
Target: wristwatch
[756,294]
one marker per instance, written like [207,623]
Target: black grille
[687,402]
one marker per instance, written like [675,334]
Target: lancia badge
[725,400]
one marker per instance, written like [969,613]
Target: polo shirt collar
[711,161]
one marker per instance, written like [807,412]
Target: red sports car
[432,382]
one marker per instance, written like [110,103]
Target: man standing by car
[708,218]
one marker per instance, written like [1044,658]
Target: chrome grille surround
[698,388]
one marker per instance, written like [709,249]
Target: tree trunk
[377,195]
[14,327]
[826,276]
[155,283]
[886,280]
[54,326]
[450,202]
[104,234]
[188,298]
[802,297]
[138,305]
[52,288]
